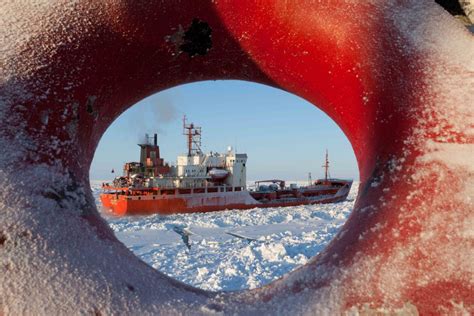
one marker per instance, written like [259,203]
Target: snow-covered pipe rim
[63,59]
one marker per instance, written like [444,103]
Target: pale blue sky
[283,135]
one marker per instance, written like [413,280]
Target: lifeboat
[218,174]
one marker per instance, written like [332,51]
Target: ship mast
[326,166]
[193,134]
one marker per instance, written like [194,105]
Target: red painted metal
[75,74]
[122,201]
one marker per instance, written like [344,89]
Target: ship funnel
[155,139]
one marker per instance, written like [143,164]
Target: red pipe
[381,70]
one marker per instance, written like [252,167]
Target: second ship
[205,182]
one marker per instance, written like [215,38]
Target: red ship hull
[152,201]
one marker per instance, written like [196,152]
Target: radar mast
[193,137]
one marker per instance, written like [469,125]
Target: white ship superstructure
[199,170]
[205,170]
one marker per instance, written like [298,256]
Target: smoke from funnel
[165,111]
[150,117]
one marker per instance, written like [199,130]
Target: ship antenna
[187,132]
[326,166]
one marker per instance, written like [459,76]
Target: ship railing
[108,187]
[179,191]
[131,192]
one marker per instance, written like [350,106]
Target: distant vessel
[204,183]
[325,190]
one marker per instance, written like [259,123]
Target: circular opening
[284,137]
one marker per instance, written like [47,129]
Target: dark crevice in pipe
[3,239]
[197,39]
[452,6]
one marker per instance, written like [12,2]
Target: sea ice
[285,238]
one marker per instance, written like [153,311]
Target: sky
[284,136]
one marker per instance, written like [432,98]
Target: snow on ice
[271,242]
